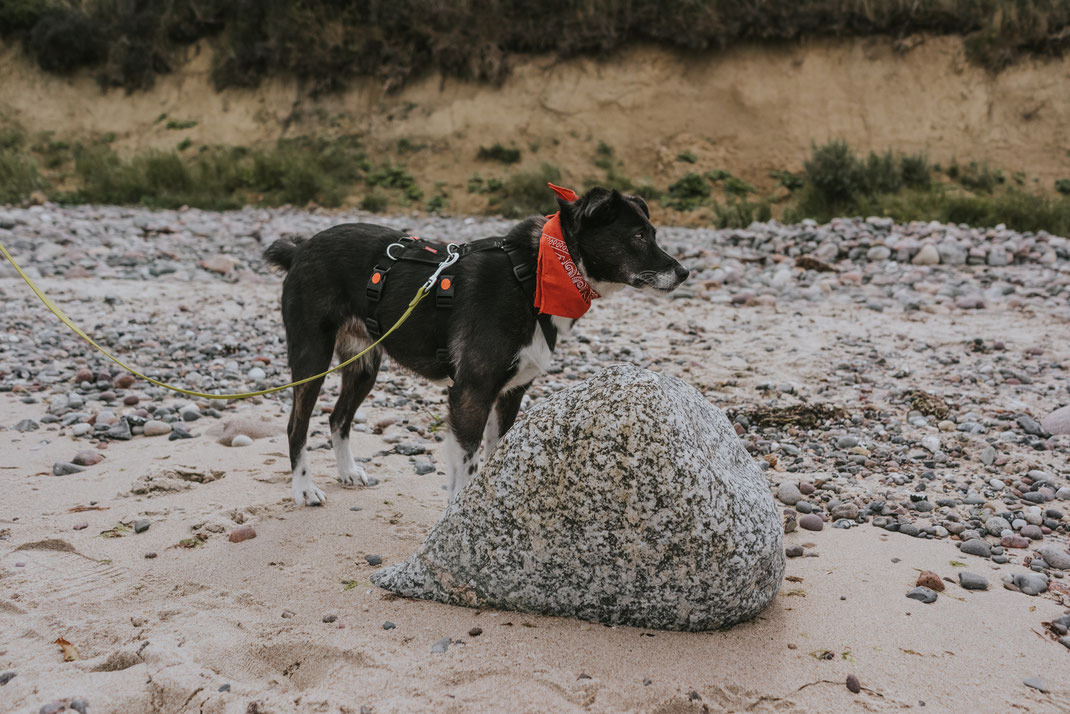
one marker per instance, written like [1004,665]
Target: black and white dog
[495,341]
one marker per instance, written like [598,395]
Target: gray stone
[976,547]
[789,494]
[65,468]
[27,425]
[154,427]
[1030,426]
[973,581]
[590,495]
[1030,583]
[922,594]
[120,431]
[1055,557]
[996,525]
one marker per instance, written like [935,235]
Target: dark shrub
[688,193]
[500,153]
[834,173]
[915,171]
[526,193]
[64,39]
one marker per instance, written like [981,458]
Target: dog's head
[610,237]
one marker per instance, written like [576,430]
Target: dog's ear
[599,205]
[639,203]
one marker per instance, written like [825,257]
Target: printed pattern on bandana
[559,288]
[561,251]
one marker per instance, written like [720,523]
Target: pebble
[154,427]
[789,494]
[929,579]
[928,255]
[241,533]
[27,425]
[972,581]
[1057,558]
[87,458]
[1028,583]
[811,522]
[922,594]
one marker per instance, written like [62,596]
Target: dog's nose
[682,273]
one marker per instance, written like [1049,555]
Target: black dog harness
[417,250]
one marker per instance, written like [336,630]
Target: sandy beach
[289,621]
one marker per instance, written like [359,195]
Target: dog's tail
[281,253]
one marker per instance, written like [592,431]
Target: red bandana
[559,287]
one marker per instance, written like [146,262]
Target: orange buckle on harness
[444,295]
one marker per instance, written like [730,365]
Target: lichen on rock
[624,499]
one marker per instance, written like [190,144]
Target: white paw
[350,474]
[305,493]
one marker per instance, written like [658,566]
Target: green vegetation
[525,193]
[295,171]
[688,193]
[839,183]
[19,176]
[181,124]
[325,43]
[500,153]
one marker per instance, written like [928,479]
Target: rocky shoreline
[908,378]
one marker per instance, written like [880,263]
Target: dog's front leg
[470,405]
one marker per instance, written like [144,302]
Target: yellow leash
[423,292]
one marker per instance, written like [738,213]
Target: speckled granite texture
[625,499]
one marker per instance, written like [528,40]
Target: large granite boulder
[625,499]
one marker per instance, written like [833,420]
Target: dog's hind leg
[357,381]
[470,404]
[306,359]
[501,418]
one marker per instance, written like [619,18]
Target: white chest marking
[532,360]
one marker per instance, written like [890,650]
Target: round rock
[625,499]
